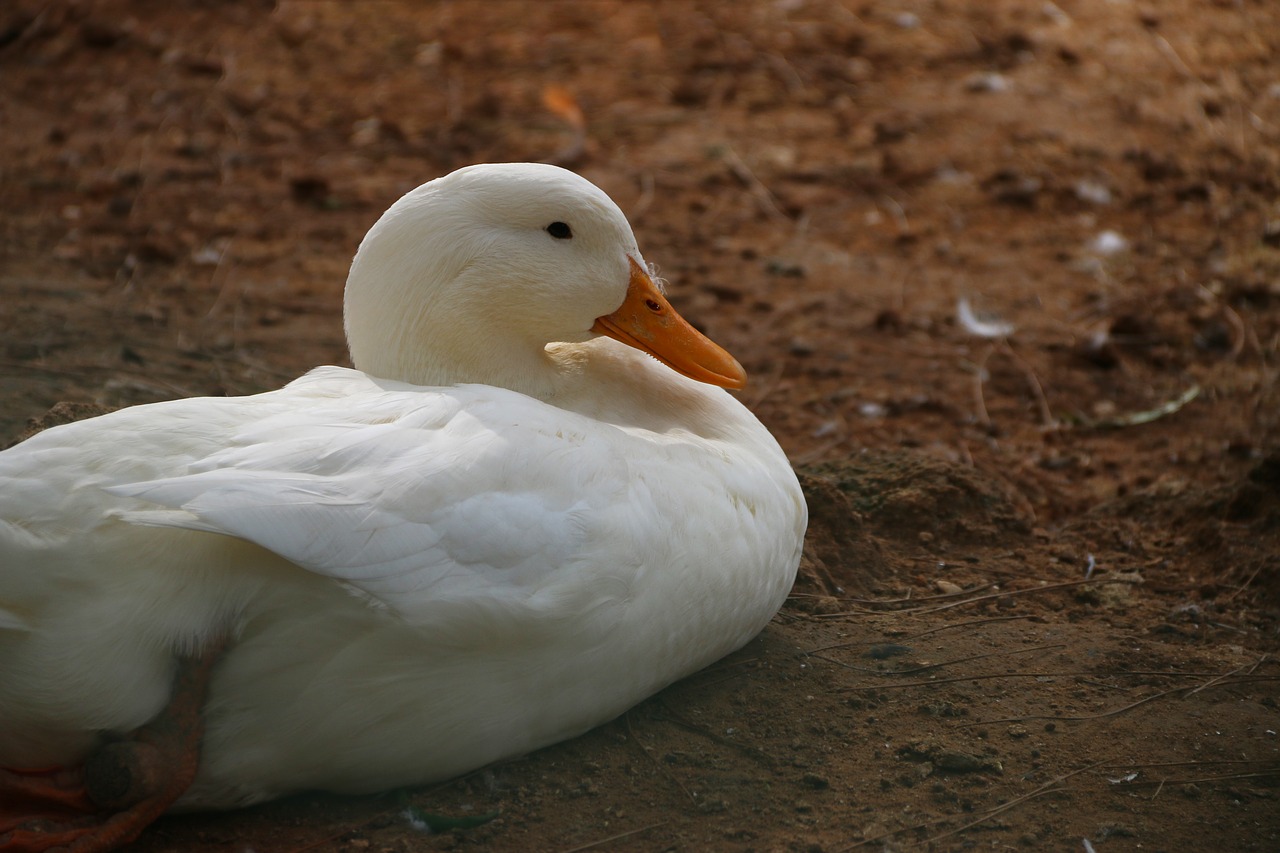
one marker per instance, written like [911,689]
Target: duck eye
[559,230]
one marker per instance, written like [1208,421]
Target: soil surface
[1006,276]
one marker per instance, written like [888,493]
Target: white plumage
[504,531]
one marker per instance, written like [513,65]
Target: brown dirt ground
[183,184]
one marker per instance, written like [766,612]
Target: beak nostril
[652,305]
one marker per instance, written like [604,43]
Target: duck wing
[412,496]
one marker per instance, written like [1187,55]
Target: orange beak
[647,322]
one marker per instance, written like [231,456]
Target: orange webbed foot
[122,787]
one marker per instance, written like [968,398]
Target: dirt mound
[904,494]
[1229,533]
[861,510]
[62,413]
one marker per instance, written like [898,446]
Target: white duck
[505,527]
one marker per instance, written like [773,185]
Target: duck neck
[426,353]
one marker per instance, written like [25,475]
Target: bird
[530,504]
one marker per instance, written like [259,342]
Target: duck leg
[122,787]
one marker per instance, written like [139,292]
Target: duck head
[469,277]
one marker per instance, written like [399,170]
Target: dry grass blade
[1016,592]
[663,771]
[1046,788]
[926,667]
[979,386]
[1047,420]
[1064,719]
[916,636]
[1146,416]
[621,835]
[998,675]
[936,681]
[994,595]
[767,201]
[887,601]
[757,755]
[1216,681]
[1257,774]
[969,624]
[1197,763]
[1259,662]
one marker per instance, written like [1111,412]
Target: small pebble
[1109,243]
[987,81]
[816,782]
[1093,192]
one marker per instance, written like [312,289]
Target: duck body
[414,580]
